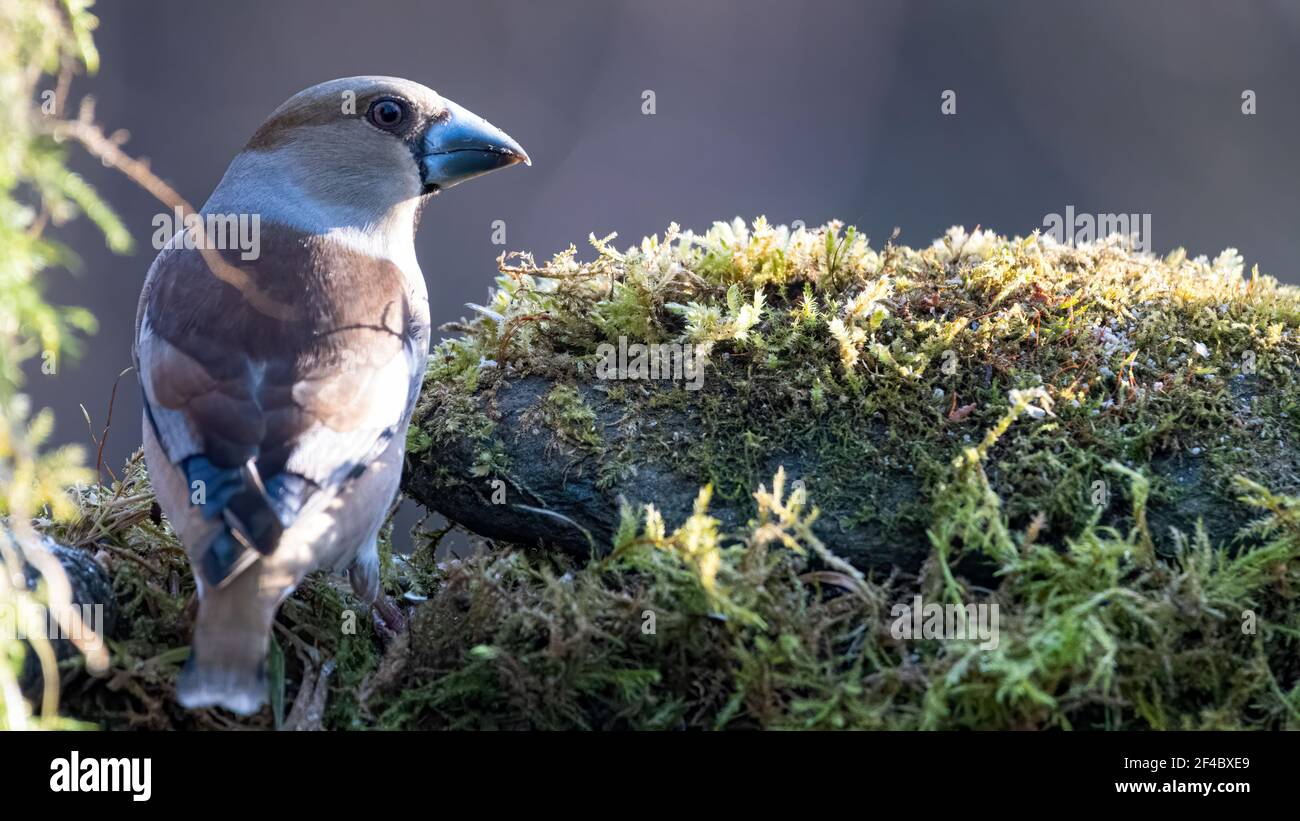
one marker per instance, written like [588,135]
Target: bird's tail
[227,663]
[253,513]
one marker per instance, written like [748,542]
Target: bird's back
[271,381]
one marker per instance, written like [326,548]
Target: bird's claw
[388,619]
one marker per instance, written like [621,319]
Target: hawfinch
[278,384]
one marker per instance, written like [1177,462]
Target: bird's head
[366,146]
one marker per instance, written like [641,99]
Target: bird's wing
[272,383]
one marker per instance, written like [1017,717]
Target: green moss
[447,412]
[1058,416]
[690,628]
[1036,412]
[573,421]
[870,364]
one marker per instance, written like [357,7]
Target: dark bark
[90,585]
[555,497]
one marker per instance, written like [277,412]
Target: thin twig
[103,437]
[100,146]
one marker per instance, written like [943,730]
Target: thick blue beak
[462,146]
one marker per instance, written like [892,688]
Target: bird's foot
[388,619]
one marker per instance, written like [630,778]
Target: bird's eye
[387,114]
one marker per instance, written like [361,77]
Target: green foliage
[39,40]
[1009,377]
[697,628]
[688,624]
[879,364]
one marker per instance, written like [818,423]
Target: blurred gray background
[797,110]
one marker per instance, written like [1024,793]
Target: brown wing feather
[239,383]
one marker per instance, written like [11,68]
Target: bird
[278,385]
